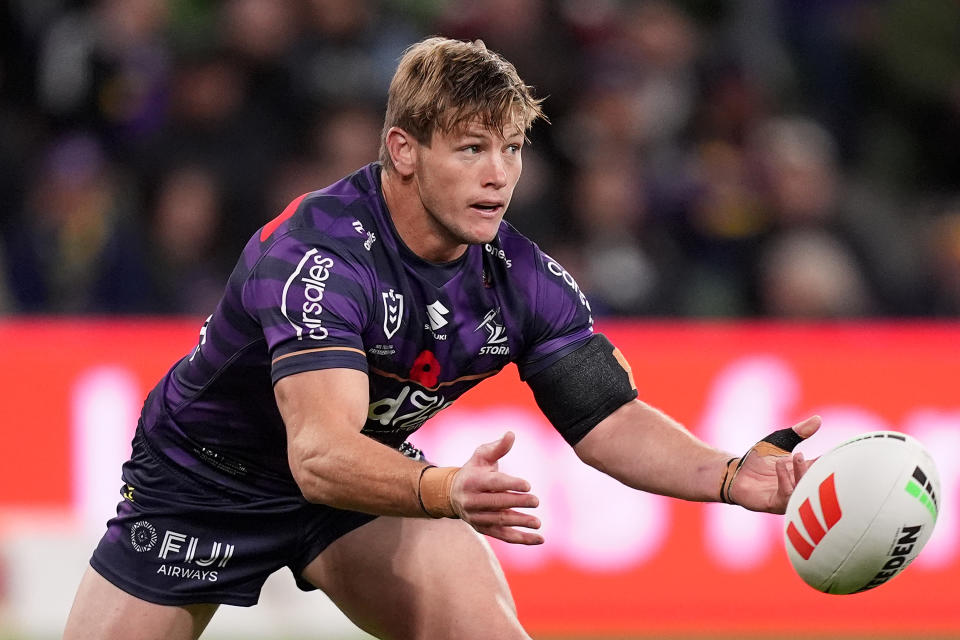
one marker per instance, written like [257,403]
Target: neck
[414,224]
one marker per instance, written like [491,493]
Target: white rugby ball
[862,512]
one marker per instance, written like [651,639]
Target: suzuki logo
[815,531]
[435,313]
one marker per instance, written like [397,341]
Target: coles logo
[313,272]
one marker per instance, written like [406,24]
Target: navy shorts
[180,540]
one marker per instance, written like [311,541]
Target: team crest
[496,334]
[392,312]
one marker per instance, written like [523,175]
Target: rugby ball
[862,512]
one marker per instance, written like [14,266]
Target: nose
[496,172]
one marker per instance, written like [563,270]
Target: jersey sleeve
[310,296]
[562,320]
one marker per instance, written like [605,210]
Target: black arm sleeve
[582,388]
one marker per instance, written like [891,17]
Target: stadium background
[761,199]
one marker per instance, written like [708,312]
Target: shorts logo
[831,515]
[143,536]
[306,320]
[392,312]
[172,543]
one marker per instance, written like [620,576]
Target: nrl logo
[392,312]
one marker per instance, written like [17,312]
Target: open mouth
[487,207]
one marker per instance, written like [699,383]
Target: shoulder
[558,311]
[526,261]
[320,242]
[340,209]
[511,249]
[338,218]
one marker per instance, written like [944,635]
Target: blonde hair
[442,84]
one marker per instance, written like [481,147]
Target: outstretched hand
[486,498]
[764,479]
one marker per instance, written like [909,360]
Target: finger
[808,427]
[492,451]
[505,518]
[798,467]
[785,481]
[497,501]
[513,536]
[493,482]
[783,441]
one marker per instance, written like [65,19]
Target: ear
[402,148]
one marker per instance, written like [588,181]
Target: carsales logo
[815,531]
[306,319]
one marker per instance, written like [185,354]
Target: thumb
[808,427]
[783,441]
[492,451]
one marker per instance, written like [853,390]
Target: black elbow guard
[582,388]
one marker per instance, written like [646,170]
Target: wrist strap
[433,491]
[729,473]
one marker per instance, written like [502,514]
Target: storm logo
[496,334]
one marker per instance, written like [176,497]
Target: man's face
[466,179]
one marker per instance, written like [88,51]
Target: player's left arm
[646,449]
[589,397]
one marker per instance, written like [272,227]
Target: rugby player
[364,308]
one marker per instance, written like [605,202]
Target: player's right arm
[334,464]
[310,290]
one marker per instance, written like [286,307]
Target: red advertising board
[616,561]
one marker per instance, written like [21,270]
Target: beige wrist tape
[434,491]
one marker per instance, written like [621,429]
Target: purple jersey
[329,284]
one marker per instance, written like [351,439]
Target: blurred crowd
[705,158]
